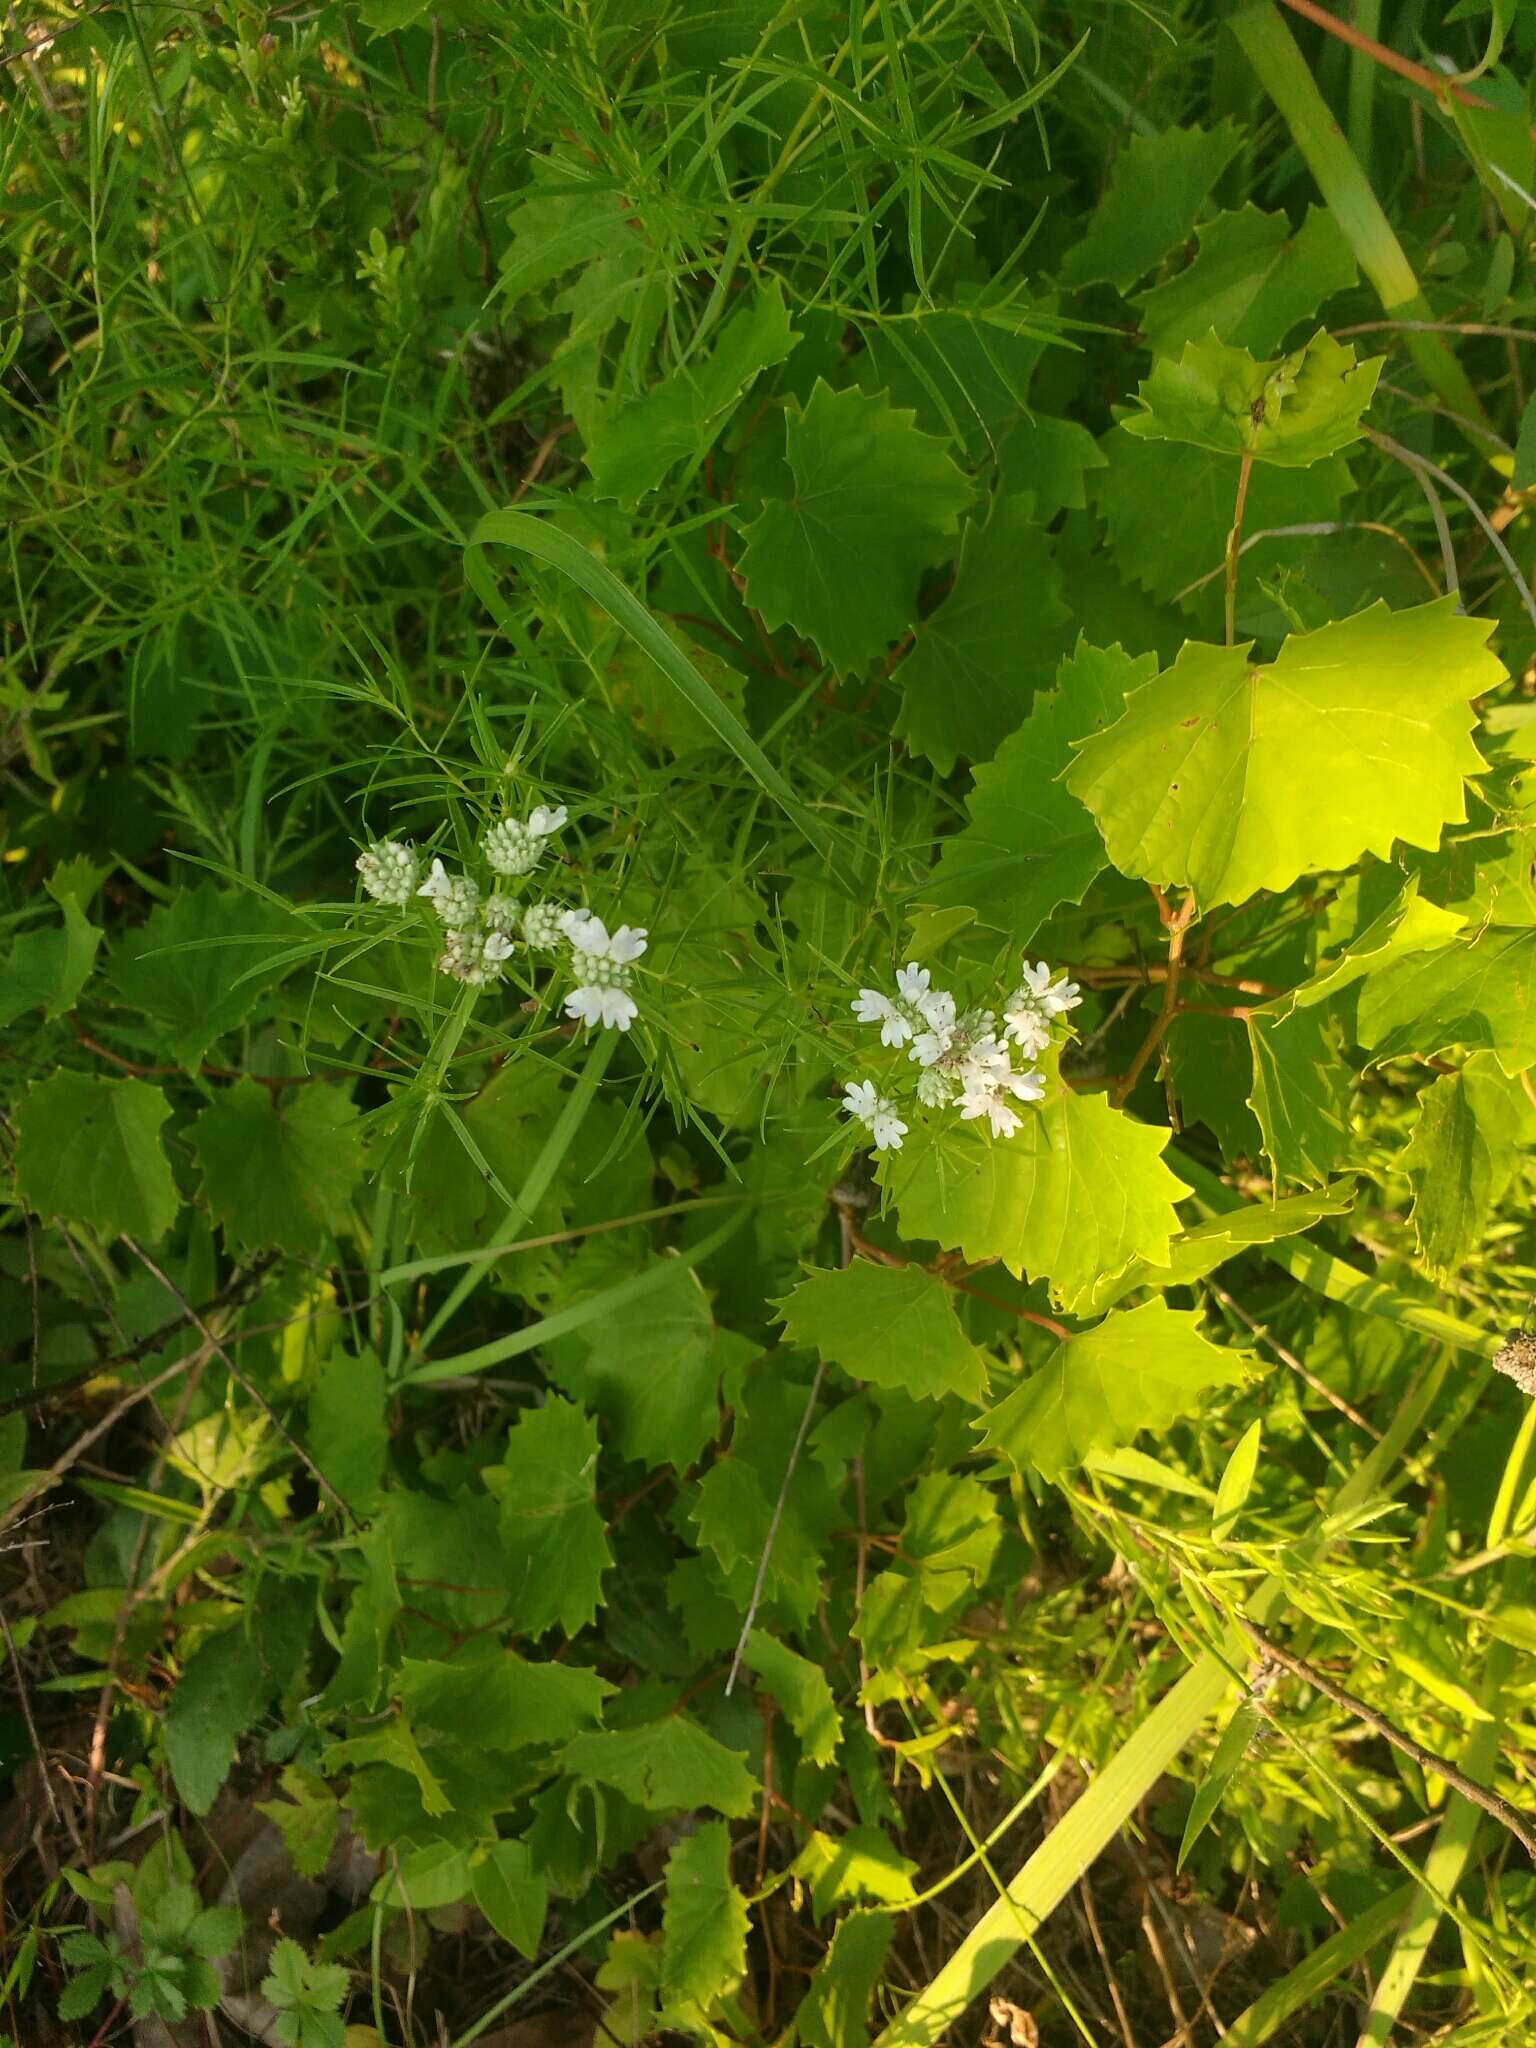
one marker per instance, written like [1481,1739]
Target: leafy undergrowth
[769,942]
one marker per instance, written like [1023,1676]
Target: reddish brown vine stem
[1176,923]
[1416,74]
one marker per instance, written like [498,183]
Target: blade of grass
[535,537]
[1271,49]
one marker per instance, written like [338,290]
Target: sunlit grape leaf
[873,501]
[1166,555]
[89,1150]
[664,1766]
[307,1819]
[638,442]
[1227,776]
[1141,1368]
[1251,281]
[1030,845]
[704,1918]
[198,964]
[1156,190]
[893,1326]
[556,1544]
[977,660]
[278,1172]
[864,1863]
[1450,1166]
[1210,1244]
[1301,1090]
[1294,410]
[1410,924]
[1479,993]
[801,1689]
[1078,1192]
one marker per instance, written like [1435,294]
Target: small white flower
[1063,997]
[912,982]
[929,1047]
[887,1128]
[938,1009]
[586,933]
[498,945]
[1028,1029]
[455,898]
[596,1004]
[390,871]
[861,1099]
[437,884]
[467,957]
[983,1102]
[1028,1086]
[1036,979]
[546,818]
[627,944]
[870,1007]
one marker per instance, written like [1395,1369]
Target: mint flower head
[390,871]
[965,1063]
[515,846]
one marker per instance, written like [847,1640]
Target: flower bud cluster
[481,932]
[964,1057]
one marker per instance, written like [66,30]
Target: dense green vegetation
[769,941]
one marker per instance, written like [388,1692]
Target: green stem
[1271,49]
[1362,85]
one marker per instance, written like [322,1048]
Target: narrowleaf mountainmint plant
[482,929]
[965,1061]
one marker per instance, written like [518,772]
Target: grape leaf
[278,1172]
[1449,1161]
[1077,1192]
[214,1702]
[864,1863]
[834,2012]
[1048,459]
[349,1426]
[703,1918]
[1142,479]
[637,443]
[964,368]
[1227,776]
[89,1150]
[1294,410]
[1478,993]
[47,969]
[801,1689]
[555,1540]
[664,1766]
[977,661]
[513,1894]
[874,498]
[1408,925]
[307,1819]
[1251,281]
[1141,1368]
[893,1326]
[1211,1244]
[499,1701]
[199,964]
[1300,1092]
[1158,186]
[652,1379]
[1029,845]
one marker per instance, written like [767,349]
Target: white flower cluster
[481,932]
[966,1061]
